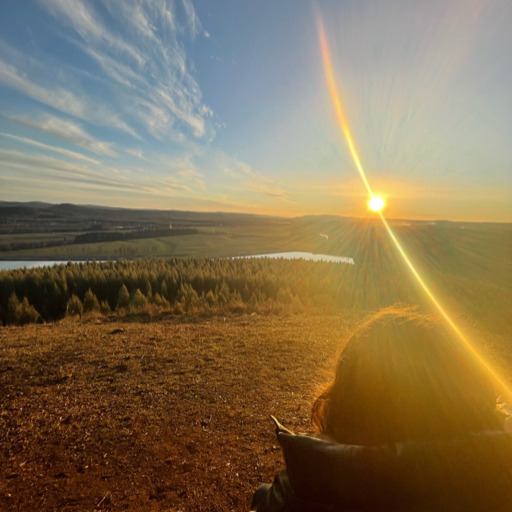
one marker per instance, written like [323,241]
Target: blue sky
[223,105]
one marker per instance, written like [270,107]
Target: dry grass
[169,415]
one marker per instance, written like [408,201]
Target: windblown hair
[402,376]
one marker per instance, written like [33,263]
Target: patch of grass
[161,415]
[158,415]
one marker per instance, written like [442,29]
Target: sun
[376,203]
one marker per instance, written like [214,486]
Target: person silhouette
[410,422]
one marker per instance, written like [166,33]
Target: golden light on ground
[376,204]
[379,203]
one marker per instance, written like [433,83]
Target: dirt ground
[168,415]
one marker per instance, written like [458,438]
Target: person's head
[402,376]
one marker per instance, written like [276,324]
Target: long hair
[401,376]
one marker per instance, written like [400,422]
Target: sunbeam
[343,123]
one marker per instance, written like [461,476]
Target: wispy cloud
[131,72]
[144,59]
[240,170]
[87,24]
[39,166]
[62,151]
[272,192]
[137,153]
[66,130]
[193,22]
[56,97]
[192,176]
[37,162]
[170,184]
[53,86]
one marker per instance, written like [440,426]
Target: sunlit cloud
[37,162]
[192,176]
[272,192]
[240,171]
[62,151]
[66,130]
[171,184]
[54,170]
[152,194]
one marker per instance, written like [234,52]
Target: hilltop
[163,415]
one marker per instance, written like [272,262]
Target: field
[167,415]
[44,231]
[48,234]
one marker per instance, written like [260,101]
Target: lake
[293,255]
[12,265]
[296,255]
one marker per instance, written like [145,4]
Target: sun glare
[376,204]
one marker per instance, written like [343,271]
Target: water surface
[295,255]
[12,265]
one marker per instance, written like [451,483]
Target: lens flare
[376,204]
[342,120]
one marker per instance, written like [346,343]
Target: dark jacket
[470,474]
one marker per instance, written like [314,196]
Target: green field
[467,266]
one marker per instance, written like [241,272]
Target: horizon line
[280,215]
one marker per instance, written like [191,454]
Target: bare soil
[167,415]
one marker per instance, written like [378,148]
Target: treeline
[223,285]
[179,285]
[19,246]
[113,236]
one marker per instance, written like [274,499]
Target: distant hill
[40,217]
[30,204]
[94,210]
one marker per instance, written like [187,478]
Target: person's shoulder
[322,470]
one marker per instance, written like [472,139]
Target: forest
[179,285]
[222,285]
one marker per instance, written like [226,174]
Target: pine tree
[138,301]
[163,290]
[188,296]
[27,313]
[160,301]
[21,313]
[123,299]
[90,302]
[148,291]
[13,308]
[210,298]
[105,307]
[74,306]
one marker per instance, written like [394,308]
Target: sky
[223,105]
